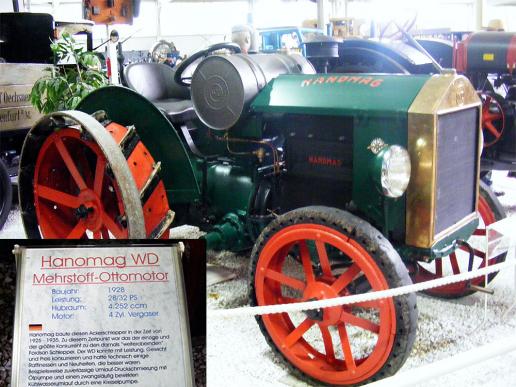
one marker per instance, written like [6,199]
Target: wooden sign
[18,118]
[101,316]
[16,81]
[21,73]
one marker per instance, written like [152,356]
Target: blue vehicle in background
[281,38]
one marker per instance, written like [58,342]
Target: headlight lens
[395,170]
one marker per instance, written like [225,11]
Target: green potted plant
[66,85]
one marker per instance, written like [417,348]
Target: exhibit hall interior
[257,193]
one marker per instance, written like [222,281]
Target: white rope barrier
[372,296]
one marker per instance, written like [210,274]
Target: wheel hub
[90,210]
[317,291]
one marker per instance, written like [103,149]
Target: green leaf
[64,87]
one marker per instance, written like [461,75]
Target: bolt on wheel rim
[338,345]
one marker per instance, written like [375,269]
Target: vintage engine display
[339,181]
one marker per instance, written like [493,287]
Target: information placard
[101,316]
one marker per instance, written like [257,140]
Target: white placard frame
[176,272]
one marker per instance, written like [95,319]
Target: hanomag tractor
[338,180]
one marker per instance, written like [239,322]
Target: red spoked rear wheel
[493,119]
[81,191]
[315,260]
[490,211]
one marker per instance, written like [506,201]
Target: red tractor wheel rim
[74,196]
[493,120]
[289,338]
[458,261]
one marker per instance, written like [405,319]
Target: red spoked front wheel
[493,119]
[309,254]
[91,180]
[490,211]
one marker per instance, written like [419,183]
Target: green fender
[127,107]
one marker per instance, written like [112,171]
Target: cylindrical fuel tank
[487,51]
[223,86]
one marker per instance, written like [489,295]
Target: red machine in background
[488,59]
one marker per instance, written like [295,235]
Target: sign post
[107,316]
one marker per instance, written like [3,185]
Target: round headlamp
[393,168]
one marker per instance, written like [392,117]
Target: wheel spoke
[323,258]
[346,278]
[359,322]
[438,267]
[56,196]
[491,128]
[494,116]
[297,333]
[99,175]
[78,231]
[346,347]
[112,226]
[285,280]
[307,262]
[97,235]
[328,344]
[479,253]
[72,168]
[105,232]
[454,264]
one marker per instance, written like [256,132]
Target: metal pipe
[479,13]
[451,364]
[321,20]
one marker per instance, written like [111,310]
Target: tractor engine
[355,141]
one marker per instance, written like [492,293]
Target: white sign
[101,316]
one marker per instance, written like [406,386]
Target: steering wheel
[407,26]
[186,81]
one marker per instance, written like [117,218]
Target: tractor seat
[177,110]
[155,81]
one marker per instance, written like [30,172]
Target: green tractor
[338,183]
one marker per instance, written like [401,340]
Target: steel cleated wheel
[84,176]
[490,211]
[317,253]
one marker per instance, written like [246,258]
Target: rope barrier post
[505,228]
[486,277]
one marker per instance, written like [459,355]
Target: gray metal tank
[223,86]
